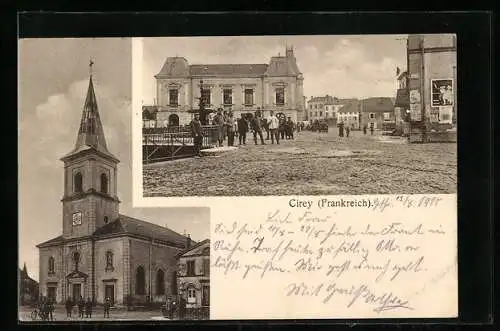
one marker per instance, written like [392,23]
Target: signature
[383,302]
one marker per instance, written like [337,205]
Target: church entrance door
[77,292]
[110,293]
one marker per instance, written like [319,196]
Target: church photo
[86,246]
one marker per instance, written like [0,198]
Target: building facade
[432,84]
[376,112]
[28,287]
[325,108]
[102,253]
[241,88]
[367,112]
[194,275]
[350,115]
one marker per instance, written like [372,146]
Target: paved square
[312,164]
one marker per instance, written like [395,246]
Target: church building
[240,88]
[102,253]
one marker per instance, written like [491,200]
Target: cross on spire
[91,63]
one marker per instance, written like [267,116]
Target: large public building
[240,88]
[102,253]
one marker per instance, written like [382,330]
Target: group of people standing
[85,307]
[173,307]
[275,127]
[347,129]
[45,308]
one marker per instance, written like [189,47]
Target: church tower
[90,175]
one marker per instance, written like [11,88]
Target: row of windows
[78,183]
[227,97]
[140,281]
[76,262]
[191,271]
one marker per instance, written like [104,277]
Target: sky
[342,66]
[53,81]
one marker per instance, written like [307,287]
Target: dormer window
[78,183]
[104,183]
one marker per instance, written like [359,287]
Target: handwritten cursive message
[364,257]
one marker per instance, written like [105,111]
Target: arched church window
[104,183]
[78,182]
[140,281]
[51,265]
[109,260]
[160,282]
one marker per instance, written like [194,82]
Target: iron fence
[162,144]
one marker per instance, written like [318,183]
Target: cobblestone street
[314,163]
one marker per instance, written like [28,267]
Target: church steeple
[90,133]
[90,175]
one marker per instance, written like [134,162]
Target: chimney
[188,241]
[289,51]
[166,225]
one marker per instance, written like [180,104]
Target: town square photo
[84,252]
[295,115]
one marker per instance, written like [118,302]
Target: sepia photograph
[86,253]
[297,115]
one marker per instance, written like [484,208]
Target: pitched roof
[193,247]
[233,70]
[282,66]
[174,67]
[327,99]
[378,104]
[344,101]
[90,133]
[125,225]
[53,241]
[353,106]
[131,226]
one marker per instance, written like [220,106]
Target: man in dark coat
[182,308]
[107,305]
[372,128]
[341,129]
[81,307]
[197,134]
[256,125]
[50,308]
[242,130]
[88,308]
[69,306]
[218,121]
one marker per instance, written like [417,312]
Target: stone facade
[194,275]
[432,58]
[240,88]
[99,251]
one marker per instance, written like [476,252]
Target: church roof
[126,225]
[53,241]
[91,132]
